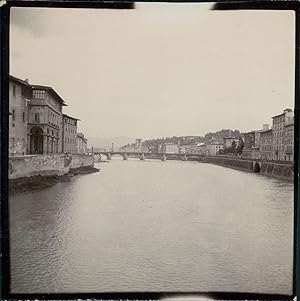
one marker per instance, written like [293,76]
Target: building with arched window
[35,125]
[45,121]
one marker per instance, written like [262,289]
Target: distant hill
[220,135]
[107,142]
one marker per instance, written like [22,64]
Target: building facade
[191,149]
[19,96]
[213,149]
[279,122]
[81,144]
[35,118]
[249,140]
[266,145]
[44,121]
[69,134]
[289,141]
[170,148]
[252,145]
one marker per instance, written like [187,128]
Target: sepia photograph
[151,149]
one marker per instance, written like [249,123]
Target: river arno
[154,226]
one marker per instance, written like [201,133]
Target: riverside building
[214,148]
[44,120]
[36,122]
[279,123]
[19,95]
[289,140]
[35,118]
[69,134]
[81,144]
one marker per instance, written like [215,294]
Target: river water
[154,226]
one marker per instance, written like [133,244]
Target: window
[23,116]
[40,94]
[37,117]
[13,115]
[14,90]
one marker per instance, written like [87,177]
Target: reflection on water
[154,226]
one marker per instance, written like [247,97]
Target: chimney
[265,127]
[27,80]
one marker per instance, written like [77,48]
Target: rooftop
[283,113]
[265,131]
[51,90]
[20,81]
[70,117]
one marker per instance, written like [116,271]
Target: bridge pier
[142,157]
[164,157]
[108,156]
[125,156]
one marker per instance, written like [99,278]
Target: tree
[233,146]
[240,147]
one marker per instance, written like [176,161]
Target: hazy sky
[161,69]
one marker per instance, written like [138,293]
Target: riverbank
[39,182]
[275,169]
[46,165]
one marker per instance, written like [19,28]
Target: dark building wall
[18,119]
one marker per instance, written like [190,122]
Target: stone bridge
[148,155]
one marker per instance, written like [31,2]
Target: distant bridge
[149,155]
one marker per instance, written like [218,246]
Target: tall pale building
[69,134]
[278,129]
[19,96]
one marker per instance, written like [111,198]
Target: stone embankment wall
[46,165]
[282,171]
[276,169]
[81,161]
[230,162]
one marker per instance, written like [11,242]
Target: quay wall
[230,162]
[46,165]
[276,169]
[79,160]
[281,171]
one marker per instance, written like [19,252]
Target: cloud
[170,69]
[29,19]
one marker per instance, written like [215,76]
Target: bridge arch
[256,167]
